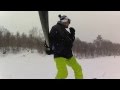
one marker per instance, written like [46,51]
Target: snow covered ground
[27,65]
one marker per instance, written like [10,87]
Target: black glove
[72,33]
[72,30]
[48,50]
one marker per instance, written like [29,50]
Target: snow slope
[27,65]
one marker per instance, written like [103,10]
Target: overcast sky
[88,24]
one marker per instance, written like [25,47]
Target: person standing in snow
[61,43]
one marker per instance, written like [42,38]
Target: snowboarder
[61,42]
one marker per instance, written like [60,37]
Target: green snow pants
[61,64]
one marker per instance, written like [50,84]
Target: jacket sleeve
[72,37]
[55,37]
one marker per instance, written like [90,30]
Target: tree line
[17,42]
[99,47]
[14,43]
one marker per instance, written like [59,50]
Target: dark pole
[45,24]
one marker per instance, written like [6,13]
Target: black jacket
[61,41]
